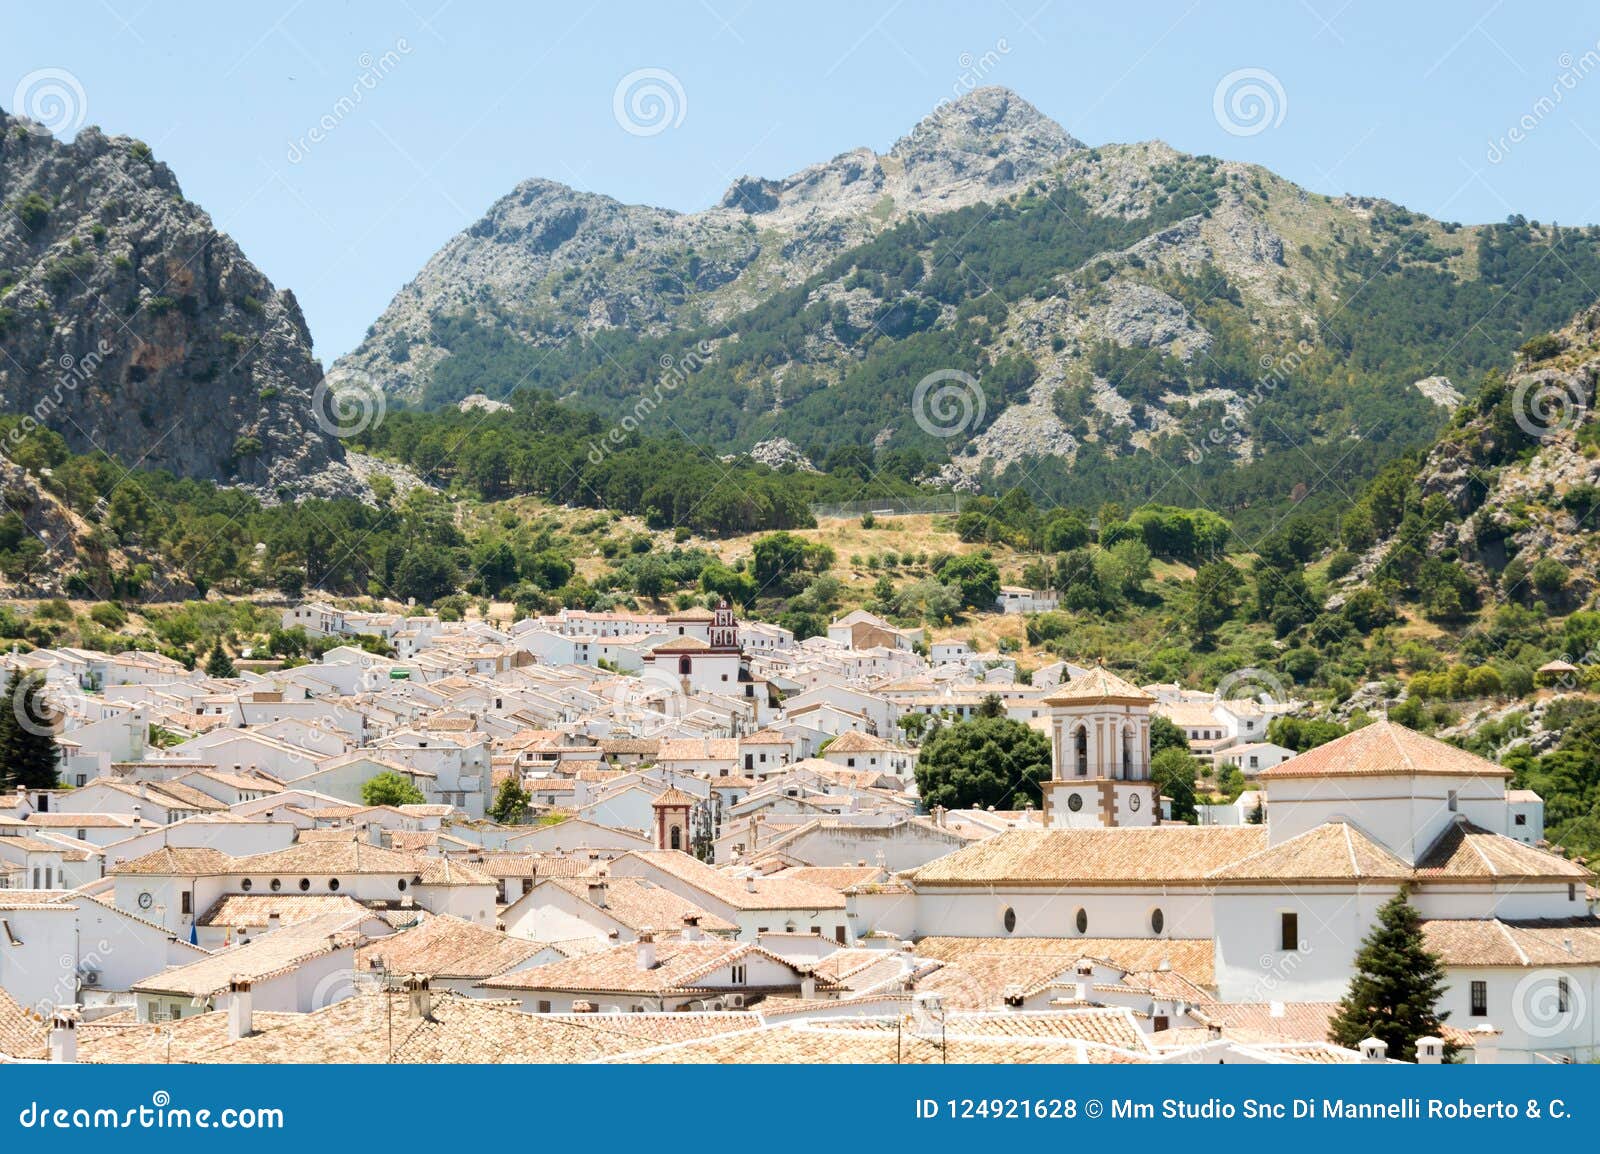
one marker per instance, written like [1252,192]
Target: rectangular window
[1572,891]
[187,897]
[544,1007]
[1159,1022]
[738,975]
[1480,999]
[1289,932]
[1520,819]
[1452,801]
[1563,996]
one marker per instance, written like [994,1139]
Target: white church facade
[1284,906]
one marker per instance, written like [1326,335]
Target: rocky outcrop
[549,262]
[129,324]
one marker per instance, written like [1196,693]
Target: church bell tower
[1100,746]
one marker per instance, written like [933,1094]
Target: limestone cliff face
[548,262]
[129,324]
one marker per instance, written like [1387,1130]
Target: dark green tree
[389,788]
[1165,734]
[28,753]
[511,802]
[219,664]
[989,761]
[1174,771]
[1395,992]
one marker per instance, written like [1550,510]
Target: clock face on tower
[1133,803]
[1075,802]
[144,901]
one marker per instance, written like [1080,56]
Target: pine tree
[29,756]
[219,664]
[1396,988]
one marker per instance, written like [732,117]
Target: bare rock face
[129,324]
[553,262]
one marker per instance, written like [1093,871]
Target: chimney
[64,1034]
[240,1010]
[274,921]
[136,818]
[808,986]
[647,948]
[750,883]
[1485,1045]
[1430,1051]
[1374,1050]
[597,893]
[1014,997]
[1276,1009]
[691,928]
[421,996]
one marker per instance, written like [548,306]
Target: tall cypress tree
[1396,988]
[28,751]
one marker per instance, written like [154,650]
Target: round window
[402,883]
[305,884]
[1157,921]
[246,884]
[1083,921]
[1075,802]
[333,885]
[1009,919]
[277,884]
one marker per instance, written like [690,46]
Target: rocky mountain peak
[152,335]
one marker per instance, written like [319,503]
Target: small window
[1158,921]
[333,885]
[1452,801]
[402,883]
[1159,1022]
[1519,819]
[1572,891]
[246,885]
[1009,919]
[1480,999]
[277,884]
[1563,995]
[305,884]
[738,975]
[185,905]
[544,1007]
[1289,932]
[1082,921]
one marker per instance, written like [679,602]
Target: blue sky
[1410,101]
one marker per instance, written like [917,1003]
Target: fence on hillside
[892,506]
